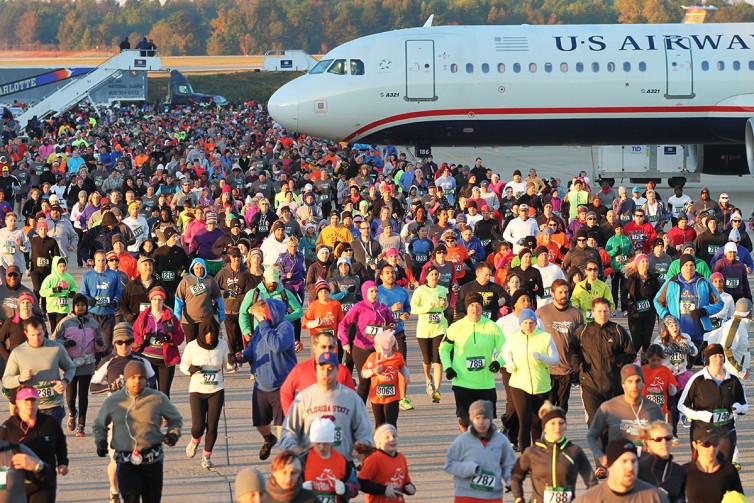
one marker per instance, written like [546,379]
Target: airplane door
[679,68]
[420,70]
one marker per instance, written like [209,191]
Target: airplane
[536,85]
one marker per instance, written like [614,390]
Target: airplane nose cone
[283,106]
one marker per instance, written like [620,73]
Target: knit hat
[553,413]
[713,349]
[743,307]
[629,370]
[524,251]
[527,314]
[686,258]
[382,431]
[639,257]
[618,448]
[134,368]
[717,275]
[321,285]
[111,254]
[481,408]
[518,294]
[123,332]
[256,251]
[42,225]
[168,233]
[391,252]
[132,204]
[210,218]
[730,247]
[473,298]
[688,245]
[277,225]
[670,320]
[385,341]
[322,430]
[344,260]
[540,250]
[117,238]
[80,297]
[249,480]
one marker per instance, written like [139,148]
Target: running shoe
[231,368]
[736,465]
[207,462]
[80,431]
[436,397]
[685,421]
[405,404]
[430,388]
[266,449]
[71,422]
[191,448]
[114,498]
[600,473]
[676,441]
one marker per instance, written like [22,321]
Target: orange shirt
[141,159]
[330,315]
[127,264]
[382,468]
[323,473]
[657,381]
[384,386]
[458,254]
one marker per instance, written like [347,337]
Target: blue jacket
[102,285]
[390,297]
[272,350]
[475,244]
[667,299]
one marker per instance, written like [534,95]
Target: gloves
[102,448]
[71,294]
[450,374]
[69,344]
[698,313]
[57,289]
[494,367]
[340,488]
[193,369]
[163,338]
[308,485]
[537,356]
[113,303]
[92,302]
[170,439]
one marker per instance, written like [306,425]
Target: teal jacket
[620,249]
[294,311]
[668,298]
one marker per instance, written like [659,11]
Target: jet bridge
[131,60]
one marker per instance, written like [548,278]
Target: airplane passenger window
[454,68]
[705,65]
[751,65]
[579,67]
[611,67]
[469,67]
[548,67]
[357,67]
[736,65]
[321,66]
[721,65]
[626,66]
[485,68]
[595,67]
[501,67]
[338,68]
[642,66]
[563,67]
[517,67]
[532,68]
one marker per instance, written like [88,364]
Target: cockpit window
[321,66]
[338,68]
[357,67]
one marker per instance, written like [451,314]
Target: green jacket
[620,250]
[582,299]
[701,268]
[246,320]
[58,302]
[530,375]
[473,345]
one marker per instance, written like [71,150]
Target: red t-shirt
[384,386]
[323,473]
[656,384]
[381,468]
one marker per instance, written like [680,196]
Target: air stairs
[130,60]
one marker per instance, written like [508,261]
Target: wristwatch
[40,467]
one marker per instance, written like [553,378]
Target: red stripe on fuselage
[551,111]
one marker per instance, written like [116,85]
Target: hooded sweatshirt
[42,253]
[58,301]
[104,287]
[271,350]
[197,294]
[86,335]
[211,358]
[364,314]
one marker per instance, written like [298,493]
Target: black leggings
[37,277]
[360,356]
[430,348]
[79,385]
[205,415]
[616,282]
[165,374]
[55,318]
[641,328]
[527,409]
[385,413]
[235,339]
[190,330]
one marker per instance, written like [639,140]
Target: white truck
[678,164]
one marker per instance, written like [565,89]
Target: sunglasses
[581,240]
[450,240]
[11,274]
[591,218]
[120,343]
[592,269]
[439,252]
[113,260]
[707,444]
[552,225]
[639,215]
[668,438]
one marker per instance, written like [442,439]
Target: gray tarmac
[425,433]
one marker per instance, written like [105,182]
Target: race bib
[46,393]
[643,306]
[588,315]
[487,314]
[621,259]
[372,330]
[658,398]
[421,257]
[209,377]
[485,481]
[43,261]
[475,363]
[720,417]
[548,292]
[168,276]
[138,231]
[486,242]
[9,248]
[557,494]
[143,306]
[458,268]
[61,301]
[385,391]
[712,249]
[102,301]
[370,261]
[263,227]
[338,436]
[434,317]
[677,358]
[731,283]
[326,497]
[198,289]
[686,306]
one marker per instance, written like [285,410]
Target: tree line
[220,27]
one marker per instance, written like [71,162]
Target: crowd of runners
[211,240]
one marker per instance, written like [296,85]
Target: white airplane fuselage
[530,85]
